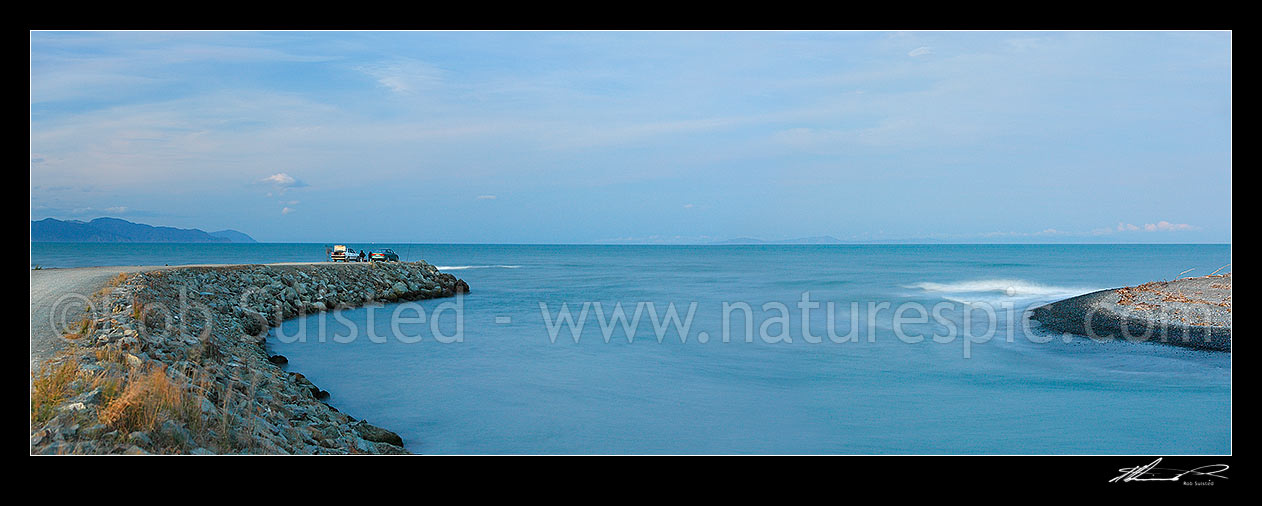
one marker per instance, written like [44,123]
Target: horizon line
[717,243]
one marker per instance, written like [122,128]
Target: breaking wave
[999,290]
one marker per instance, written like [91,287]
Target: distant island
[119,230]
[827,239]
[824,239]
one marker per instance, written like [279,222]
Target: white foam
[460,267]
[997,290]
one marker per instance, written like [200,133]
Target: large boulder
[377,434]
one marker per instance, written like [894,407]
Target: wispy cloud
[1160,226]
[43,211]
[920,51]
[486,197]
[404,76]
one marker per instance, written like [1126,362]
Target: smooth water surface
[515,387]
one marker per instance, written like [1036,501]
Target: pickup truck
[343,254]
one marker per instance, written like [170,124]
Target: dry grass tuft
[82,330]
[149,398]
[51,386]
[109,353]
[111,284]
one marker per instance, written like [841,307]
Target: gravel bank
[64,292]
[174,361]
[1188,312]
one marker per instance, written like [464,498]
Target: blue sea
[866,349]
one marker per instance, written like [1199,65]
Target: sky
[638,137]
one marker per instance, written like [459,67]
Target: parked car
[341,253]
[385,255]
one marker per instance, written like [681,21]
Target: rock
[278,359]
[377,434]
[201,451]
[91,397]
[389,449]
[95,430]
[364,446]
[1188,312]
[309,387]
[175,432]
[140,437]
[252,323]
[40,436]
[57,448]
[208,407]
[132,360]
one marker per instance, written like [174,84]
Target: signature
[1151,472]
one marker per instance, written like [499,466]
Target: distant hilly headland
[118,230]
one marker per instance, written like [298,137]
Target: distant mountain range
[117,230]
[823,239]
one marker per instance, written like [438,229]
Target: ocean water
[500,370]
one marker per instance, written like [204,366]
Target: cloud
[404,76]
[486,197]
[920,51]
[1026,43]
[582,135]
[282,181]
[689,206]
[1164,226]
[1160,226]
[892,131]
[286,210]
[39,211]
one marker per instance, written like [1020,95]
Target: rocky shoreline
[1189,312]
[174,361]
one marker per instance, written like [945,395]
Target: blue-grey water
[503,383]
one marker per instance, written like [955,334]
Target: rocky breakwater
[174,361]
[1189,312]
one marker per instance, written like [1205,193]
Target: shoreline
[1188,312]
[174,360]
